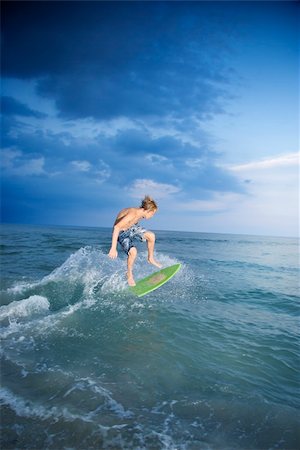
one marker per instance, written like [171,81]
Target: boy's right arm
[113,250]
[120,224]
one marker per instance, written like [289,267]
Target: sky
[193,103]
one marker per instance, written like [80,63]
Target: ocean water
[208,361]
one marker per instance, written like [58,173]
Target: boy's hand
[113,253]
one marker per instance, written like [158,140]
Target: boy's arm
[119,225]
[113,250]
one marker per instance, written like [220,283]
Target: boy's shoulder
[127,211]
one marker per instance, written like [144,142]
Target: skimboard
[154,281]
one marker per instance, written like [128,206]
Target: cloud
[143,186]
[284,160]
[124,104]
[116,137]
[218,202]
[102,172]
[8,155]
[196,163]
[15,163]
[113,98]
[81,166]
[12,107]
[131,64]
[99,172]
[164,159]
[116,159]
[32,167]
[156,159]
[269,206]
[272,200]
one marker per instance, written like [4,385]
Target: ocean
[208,361]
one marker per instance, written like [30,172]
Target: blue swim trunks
[126,237]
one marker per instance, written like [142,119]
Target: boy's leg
[150,238]
[130,261]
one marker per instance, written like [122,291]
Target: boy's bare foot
[130,279]
[155,263]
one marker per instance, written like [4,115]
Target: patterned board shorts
[126,237]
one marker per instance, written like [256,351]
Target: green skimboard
[154,281]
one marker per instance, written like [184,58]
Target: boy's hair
[149,204]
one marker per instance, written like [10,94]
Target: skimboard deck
[154,281]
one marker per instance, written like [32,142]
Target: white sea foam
[27,408]
[110,403]
[116,282]
[113,405]
[43,324]
[19,288]
[33,305]
[88,266]
[89,269]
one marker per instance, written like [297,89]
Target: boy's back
[128,216]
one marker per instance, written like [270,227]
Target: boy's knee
[149,236]
[132,251]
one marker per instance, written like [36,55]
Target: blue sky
[194,103]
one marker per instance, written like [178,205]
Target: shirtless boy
[126,229]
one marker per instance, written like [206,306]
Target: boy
[126,229]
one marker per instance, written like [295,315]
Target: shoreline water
[207,361]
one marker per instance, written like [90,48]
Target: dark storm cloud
[133,59]
[12,107]
[192,167]
[159,65]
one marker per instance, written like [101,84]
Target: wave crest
[33,305]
